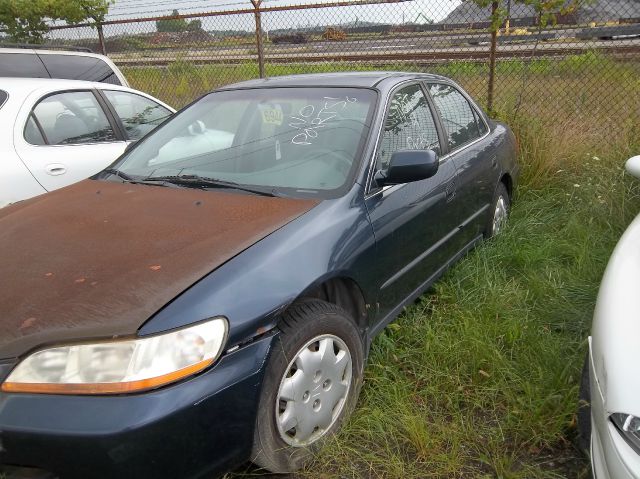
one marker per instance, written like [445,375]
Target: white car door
[64,137]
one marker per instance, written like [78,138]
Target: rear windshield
[70,67]
[76,67]
[21,65]
[3,97]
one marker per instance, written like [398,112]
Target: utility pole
[103,48]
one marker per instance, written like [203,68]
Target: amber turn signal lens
[106,388]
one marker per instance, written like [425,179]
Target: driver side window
[409,125]
[67,118]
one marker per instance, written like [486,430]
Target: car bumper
[203,425]
[611,456]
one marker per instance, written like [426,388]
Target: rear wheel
[312,381]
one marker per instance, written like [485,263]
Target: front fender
[251,289]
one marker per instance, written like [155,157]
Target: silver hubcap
[499,215]
[313,390]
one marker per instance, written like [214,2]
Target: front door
[411,222]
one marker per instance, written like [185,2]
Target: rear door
[66,136]
[470,149]
[411,222]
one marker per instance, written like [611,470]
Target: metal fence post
[103,48]
[492,56]
[259,45]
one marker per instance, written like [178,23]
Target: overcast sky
[391,13]
[395,13]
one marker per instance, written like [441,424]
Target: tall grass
[480,377]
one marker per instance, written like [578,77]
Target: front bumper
[203,425]
[611,456]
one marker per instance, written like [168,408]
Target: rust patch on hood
[97,259]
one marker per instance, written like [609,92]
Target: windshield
[300,141]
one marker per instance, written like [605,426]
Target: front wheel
[312,381]
[500,208]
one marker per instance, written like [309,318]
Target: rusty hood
[97,259]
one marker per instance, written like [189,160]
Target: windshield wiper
[196,181]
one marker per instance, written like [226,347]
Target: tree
[195,26]
[169,24]
[26,20]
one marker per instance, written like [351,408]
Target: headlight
[629,428]
[114,367]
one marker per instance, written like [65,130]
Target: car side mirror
[633,166]
[407,166]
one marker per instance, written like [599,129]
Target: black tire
[501,192]
[584,409]
[301,323]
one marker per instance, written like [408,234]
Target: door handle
[450,190]
[55,169]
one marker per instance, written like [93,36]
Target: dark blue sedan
[212,296]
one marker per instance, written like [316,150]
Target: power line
[203,9]
[174,2]
[169,2]
[171,6]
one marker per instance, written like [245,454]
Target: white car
[56,132]
[613,380]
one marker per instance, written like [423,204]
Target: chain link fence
[575,62]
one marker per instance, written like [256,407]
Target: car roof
[344,79]
[16,84]
[44,51]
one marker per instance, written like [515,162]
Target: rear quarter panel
[16,181]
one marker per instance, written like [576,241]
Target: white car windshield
[304,140]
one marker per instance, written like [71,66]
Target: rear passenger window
[72,118]
[460,120]
[482,127]
[32,133]
[21,65]
[78,67]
